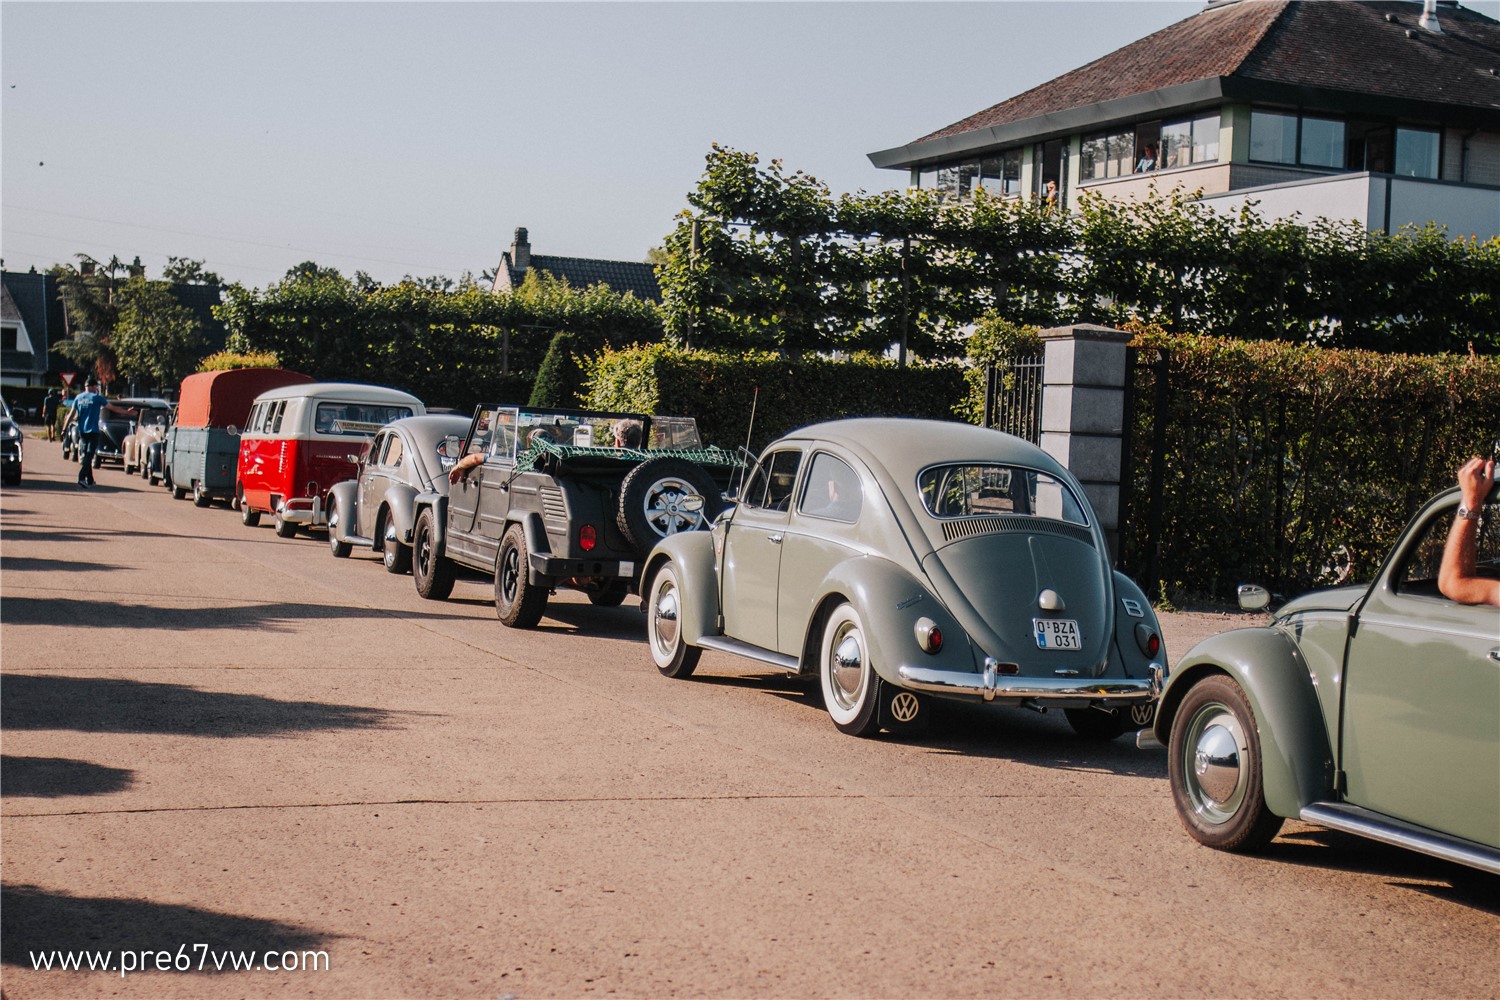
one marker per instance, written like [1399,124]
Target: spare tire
[650,499]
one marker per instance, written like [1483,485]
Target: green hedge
[719,389]
[1282,464]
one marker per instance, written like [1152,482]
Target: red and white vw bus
[301,439]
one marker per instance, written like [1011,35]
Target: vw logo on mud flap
[1141,715]
[904,707]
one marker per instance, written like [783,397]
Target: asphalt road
[213,737]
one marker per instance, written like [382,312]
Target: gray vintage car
[1374,710]
[377,510]
[903,559]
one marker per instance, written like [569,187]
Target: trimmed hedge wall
[719,389]
[1294,467]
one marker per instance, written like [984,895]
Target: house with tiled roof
[1383,111]
[31,321]
[622,276]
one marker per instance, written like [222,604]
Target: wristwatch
[1465,514]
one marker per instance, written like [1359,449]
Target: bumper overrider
[304,510]
[990,684]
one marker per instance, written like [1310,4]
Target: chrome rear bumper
[991,684]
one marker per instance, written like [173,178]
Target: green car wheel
[1214,768]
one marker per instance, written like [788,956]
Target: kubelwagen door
[1422,695]
[492,434]
[752,549]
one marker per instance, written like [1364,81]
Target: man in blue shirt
[88,409]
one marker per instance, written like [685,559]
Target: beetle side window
[832,490]
[771,486]
[394,451]
[1418,575]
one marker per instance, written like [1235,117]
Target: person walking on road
[88,410]
[49,413]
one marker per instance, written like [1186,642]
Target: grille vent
[552,503]
[968,527]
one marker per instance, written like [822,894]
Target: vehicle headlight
[13,433]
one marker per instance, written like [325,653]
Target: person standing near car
[1457,578]
[88,410]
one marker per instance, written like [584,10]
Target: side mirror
[692,503]
[233,430]
[1253,597]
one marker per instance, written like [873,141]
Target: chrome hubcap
[848,665]
[665,618]
[1216,764]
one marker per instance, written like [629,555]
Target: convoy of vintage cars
[891,562]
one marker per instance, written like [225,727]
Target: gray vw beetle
[1370,709]
[905,559]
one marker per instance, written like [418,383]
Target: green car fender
[1296,757]
[890,602]
[691,554]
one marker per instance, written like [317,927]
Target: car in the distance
[565,499]
[377,510]
[899,560]
[1371,709]
[12,448]
[147,432]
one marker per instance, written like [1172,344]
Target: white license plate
[1057,633]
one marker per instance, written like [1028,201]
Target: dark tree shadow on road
[56,777]
[19,564]
[35,920]
[1337,851]
[271,616]
[107,705]
[82,535]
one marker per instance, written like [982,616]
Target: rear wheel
[851,687]
[1214,768]
[395,556]
[200,495]
[339,549]
[673,656]
[432,571]
[518,602]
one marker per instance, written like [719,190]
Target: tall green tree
[156,338]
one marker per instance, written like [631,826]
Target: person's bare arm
[1456,577]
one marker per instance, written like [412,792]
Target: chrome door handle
[774,539]
[1495,655]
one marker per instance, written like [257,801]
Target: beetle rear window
[995,491]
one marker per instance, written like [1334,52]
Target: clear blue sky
[402,138]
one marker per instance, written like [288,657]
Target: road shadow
[34,920]
[1334,850]
[57,777]
[978,730]
[273,616]
[623,622]
[81,535]
[110,705]
[21,564]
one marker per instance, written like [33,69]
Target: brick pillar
[1083,413]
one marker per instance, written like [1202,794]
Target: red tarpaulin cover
[219,399]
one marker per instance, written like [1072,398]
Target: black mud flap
[903,712]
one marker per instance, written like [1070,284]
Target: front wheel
[518,603]
[285,528]
[432,572]
[851,687]
[1214,768]
[673,656]
[339,549]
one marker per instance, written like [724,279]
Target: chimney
[520,251]
[1429,17]
[137,269]
[86,268]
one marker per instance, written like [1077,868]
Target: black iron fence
[1013,396]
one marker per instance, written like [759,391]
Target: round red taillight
[929,636]
[1153,645]
[1147,639]
[935,640]
[587,537]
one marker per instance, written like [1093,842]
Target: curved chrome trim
[1365,823]
[990,684]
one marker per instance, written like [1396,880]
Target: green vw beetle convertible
[1374,710]
[899,560]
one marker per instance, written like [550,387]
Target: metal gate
[1013,396]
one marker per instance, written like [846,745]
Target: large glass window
[832,490]
[355,419]
[1416,153]
[1206,139]
[1107,154]
[771,485]
[1001,174]
[1273,137]
[1176,145]
[1322,143]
